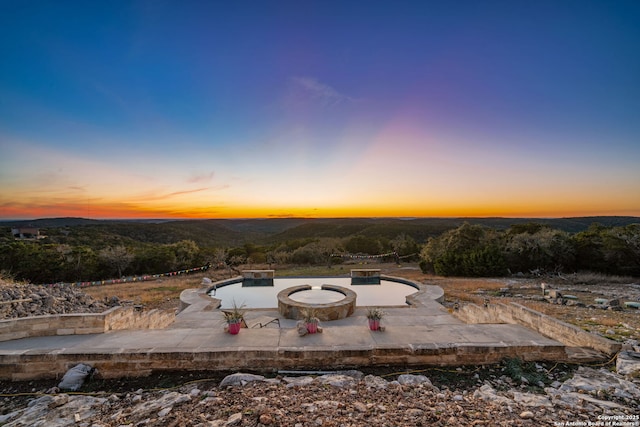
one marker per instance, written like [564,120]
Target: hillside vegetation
[77,249]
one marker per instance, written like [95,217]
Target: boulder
[628,363]
[55,411]
[590,380]
[373,381]
[486,392]
[410,379]
[239,379]
[337,380]
[75,377]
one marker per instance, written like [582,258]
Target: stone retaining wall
[85,323]
[117,363]
[514,313]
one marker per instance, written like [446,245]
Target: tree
[469,250]
[589,246]
[316,253]
[35,262]
[544,249]
[78,263]
[220,258]
[529,228]
[117,258]
[621,249]
[404,245]
[155,258]
[187,254]
[360,244]
[237,260]
[282,257]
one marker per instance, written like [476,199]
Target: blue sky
[261,109]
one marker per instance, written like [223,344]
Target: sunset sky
[221,109]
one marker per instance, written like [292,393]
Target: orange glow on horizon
[96,211]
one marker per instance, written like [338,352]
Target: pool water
[316,296]
[387,293]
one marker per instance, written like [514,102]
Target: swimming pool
[387,293]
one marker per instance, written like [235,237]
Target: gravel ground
[485,396]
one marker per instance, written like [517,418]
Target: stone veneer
[546,325]
[292,309]
[117,363]
[85,323]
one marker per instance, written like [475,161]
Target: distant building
[26,233]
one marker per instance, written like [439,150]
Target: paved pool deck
[424,333]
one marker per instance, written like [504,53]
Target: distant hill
[235,232]
[261,226]
[205,233]
[420,229]
[49,222]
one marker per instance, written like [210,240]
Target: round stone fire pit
[326,306]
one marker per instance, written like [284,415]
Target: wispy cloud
[284,215]
[180,193]
[201,177]
[311,88]
[160,195]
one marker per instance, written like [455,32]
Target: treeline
[474,250]
[97,253]
[42,261]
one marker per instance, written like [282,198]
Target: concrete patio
[423,333]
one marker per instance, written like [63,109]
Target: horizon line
[309,217]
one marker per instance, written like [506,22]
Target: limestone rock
[337,380]
[411,379]
[165,411]
[628,363]
[234,419]
[374,381]
[43,300]
[530,399]
[265,419]
[360,407]
[152,407]
[239,379]
[55,411]
[354,373]
[414,413]
[298,381]
[486,392]
[527,415]
[590,381]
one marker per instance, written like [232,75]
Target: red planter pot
[312,328]
[234,328]
[374,324]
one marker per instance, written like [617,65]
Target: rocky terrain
[487,397]
[24,300]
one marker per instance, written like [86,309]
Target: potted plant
[309,316]
[234,318]
[375,315]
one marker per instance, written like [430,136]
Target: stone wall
[116,363]
[131,318]
[291,309]
[84,323]
[514,313]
